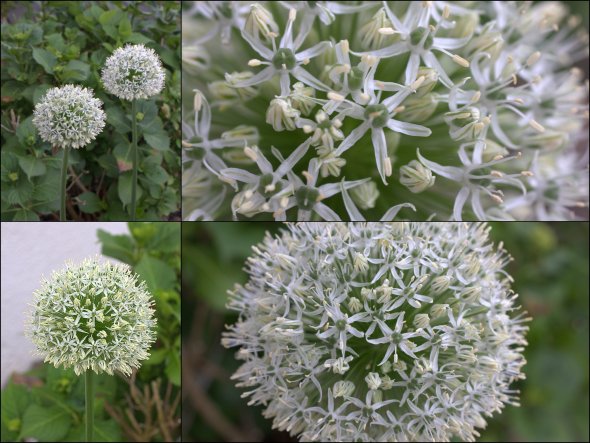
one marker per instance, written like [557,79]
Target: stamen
[460,60]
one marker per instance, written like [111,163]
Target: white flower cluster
[133,72]
[470,111]
[93,316]
[69,116]
[378,331]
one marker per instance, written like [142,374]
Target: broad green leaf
[15,400]
[124,188]
[125,28]
[156,357]
[104,430]
[56,41]
[19,192]
[75,70]
[166,238]
[40,91]
[158,140]
[118,119]
[32,166]
[155,174]
[89,202]
[120,247]
[45,59]
[138,38]
[157,274]
[45,423]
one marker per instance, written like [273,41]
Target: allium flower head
[93,316]
[378,331]
[69,116]
[449,107]
[133,72]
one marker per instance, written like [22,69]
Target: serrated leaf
[45,58]
[89,202]
[18,193]
[25,215]
[157,274]
[32,166]
[45,423]
[26,130]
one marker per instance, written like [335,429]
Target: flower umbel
[378,331]
[133,72]
[69,116]
[93,316]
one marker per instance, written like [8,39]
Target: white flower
[69,116]
[93,316]
[133,72]
[429,352]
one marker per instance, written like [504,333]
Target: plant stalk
[134,159]
[64,180]
[89,404]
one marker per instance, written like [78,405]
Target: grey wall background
[28,252]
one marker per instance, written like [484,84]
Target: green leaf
[120,247]
[166,238]
[18,193]
[125,28]
[173,367]
[138,38]
[158,140]
[15,400]
[156,357]
[45,424]
[157,274]
[56,41]
[104,430]
[32,166]
[40,92]
[89,202]
[118,119]
[124,188]
[25,215]
[75,70]
[26,131]
[45,59]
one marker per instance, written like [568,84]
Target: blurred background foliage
[47,403]
[47,44]
[550,270]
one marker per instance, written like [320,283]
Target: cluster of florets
[69,116]
[378,331]
[133,72]
[487,91]
[93,316]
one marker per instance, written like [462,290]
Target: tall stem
[64,179]
[89,404]
[135,159]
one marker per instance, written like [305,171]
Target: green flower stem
[89,404]
[135,159]
[64,179]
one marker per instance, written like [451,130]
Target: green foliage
[47,44]
[47,404]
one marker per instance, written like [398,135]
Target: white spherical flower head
[93,316]
[69,116]
[133,72]
[378,331]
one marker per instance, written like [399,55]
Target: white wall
[30,251]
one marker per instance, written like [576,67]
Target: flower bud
[416,177]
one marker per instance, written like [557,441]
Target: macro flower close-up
[379,332]
[471,111]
